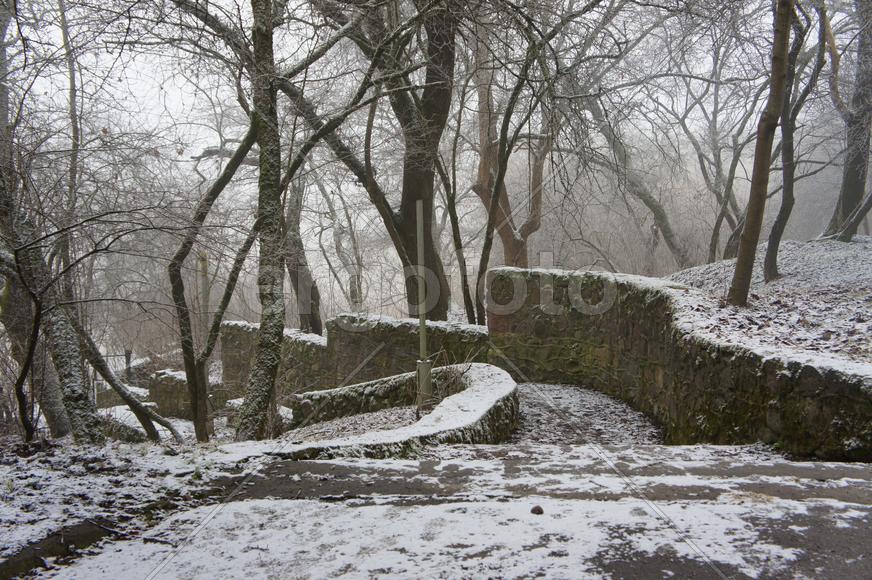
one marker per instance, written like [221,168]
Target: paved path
[568,414]
[591,500]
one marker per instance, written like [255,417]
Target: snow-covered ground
[67,484]
[124,415]
[569,414]
[560,512]
[391,418]
[582,491]
[821,306]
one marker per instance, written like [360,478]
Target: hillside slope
[821,304]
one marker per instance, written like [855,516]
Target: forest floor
[594,496]
[820,307]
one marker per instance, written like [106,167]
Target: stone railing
[394,391]
[483,410]
[634,338]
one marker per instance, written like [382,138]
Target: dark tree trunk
[741,284]
[305,288]
[146,416]
[788,171]
[422,135]
[858,120]
[17,316]
[789,114]
[17,230]
[855,220]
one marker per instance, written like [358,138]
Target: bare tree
[794,99]
[25,256]
[857,118]
[741,284]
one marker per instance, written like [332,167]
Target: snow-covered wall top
[650,342]
[484,411]
[394,391]
[290,333]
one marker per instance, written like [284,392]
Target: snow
[376,320]
[216,373]
[285,413]
[123,414]
[354,425]
[465,511]
[172,374]
[291,333]
[455,511]
[138,362]
[322,540]
[138,391]
[473,536]
[570,414]
[486,386]
[818,312]
[69,483]
[301,336]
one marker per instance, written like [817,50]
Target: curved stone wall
[384,393]
[633,337]
[485,410]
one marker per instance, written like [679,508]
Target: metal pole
[425,384]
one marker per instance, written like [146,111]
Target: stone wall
[105,396]
[169,390]
[357,349]
[394,391]
[363,348]
[138,378]
[627,336]
[484,409]
[305,365]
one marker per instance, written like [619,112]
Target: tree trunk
[16,315]
[788,171]
[789,113]
[15,227]
[305,289]
[855,220]
[63,344]
[196,372]
[514,247]
[450,186]
[270,277]
[741,284]
[854,171]
[513,239]
[422,136]
[858,120]
[48,394]
[145,415]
